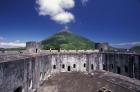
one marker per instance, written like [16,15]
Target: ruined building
[25,72]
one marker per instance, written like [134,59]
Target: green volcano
[65,39]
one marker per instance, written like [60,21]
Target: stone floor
[80,82]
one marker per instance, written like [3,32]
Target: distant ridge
[135,49]
[65,39]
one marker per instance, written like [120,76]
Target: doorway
[19,89]
[92,67]
[36,50]
[118,70]
[69,69]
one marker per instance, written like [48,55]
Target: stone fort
[26,71]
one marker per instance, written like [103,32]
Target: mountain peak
[65,39]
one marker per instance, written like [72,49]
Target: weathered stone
[28,71]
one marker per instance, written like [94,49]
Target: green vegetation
[12,49]
[67,40]
[135,49]
[117,49]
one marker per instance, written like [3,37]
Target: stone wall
[33,47]
[124,64]
[102,46]
[23,74]
[76,62]
[13,75]
[27,74]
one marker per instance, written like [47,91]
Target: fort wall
[26,72]
[121,63]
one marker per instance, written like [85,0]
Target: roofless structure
[28,71]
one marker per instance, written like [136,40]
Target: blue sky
[113,21]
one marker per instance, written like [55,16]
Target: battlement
[16,55]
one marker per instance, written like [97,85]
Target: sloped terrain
[135,49]
[67,40]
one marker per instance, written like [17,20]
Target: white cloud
[67,4]
[14,44]
[126,44]
[56,9]
[17,41]
[63,18]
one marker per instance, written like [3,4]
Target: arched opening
[54,66]
[69,69]
[104,67]
[36,50]
[118,70]
[74,65]
[19,89]
[92,66]
[84,64]
[63,66]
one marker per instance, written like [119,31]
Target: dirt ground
[80,82]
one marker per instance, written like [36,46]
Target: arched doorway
[36,50]
[69,69]
[19,89]
[92,67]
[118,70]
